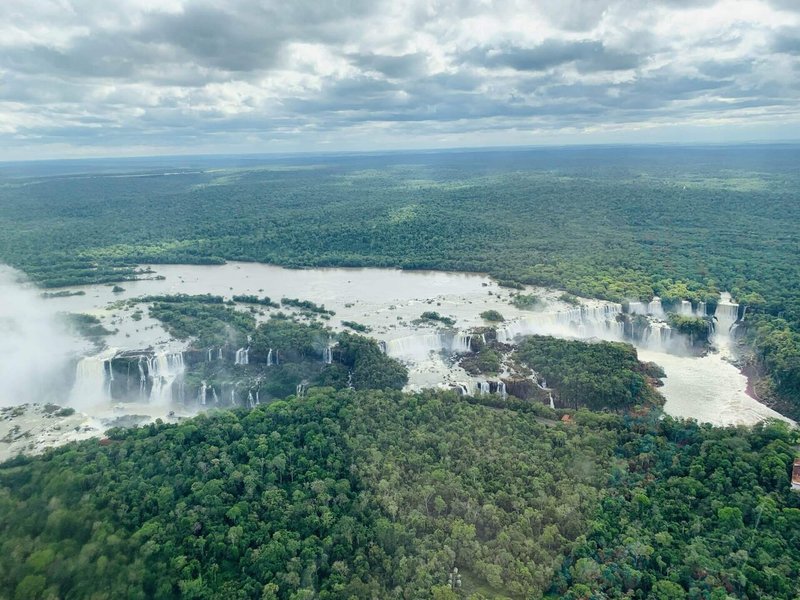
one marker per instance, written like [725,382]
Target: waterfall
[415,345]
[685,308]
[208,357]
[269,358]
[463,389]
[90,383]
[637,308]
[382,346]
[582,321]
[726,315]
[164,369]
[701,309]
[214,395]
[483,387]
[250,400]
[110,375]
[462,343]
[552,404]
[219,354]
[142,377]
[242,356]
[327,355]
[203,392]
[300,391]
[501,389]
[654,307]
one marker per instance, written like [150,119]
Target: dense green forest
[615,223]
[600,375]
[378,494]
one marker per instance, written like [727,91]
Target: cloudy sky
[133,77]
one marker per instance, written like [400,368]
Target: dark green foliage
[307,306]
[569,299]
[205,319]
[507,283]
[88,326]
[357,326]
[614,223]
[63,294]
[370,368]
[250,299]
[594,375]
[526,301]
[380,494]
[493,316]
[777,346]
[696,328]
[432,315]
[292,341]
[694,512]
[487,361]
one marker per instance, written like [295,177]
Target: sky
[140,77]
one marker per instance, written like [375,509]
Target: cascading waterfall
[637,308]
[462,342]
[327,355]
[110,376]
[219,354]
[654,307]
[416,345]
[269,358]
[685,308]
[90,383]
[701,309]
[242,356]
[483,387]
[208,357]
[300,391]
[142,377]
[726,315]
[203,392]
[214,396]
[657,336]
[501,389]
[250,400]
[582,321]
[164,369]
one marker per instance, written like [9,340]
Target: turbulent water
[390,301]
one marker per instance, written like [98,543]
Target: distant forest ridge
[615,222]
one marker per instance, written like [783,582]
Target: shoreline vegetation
[679,223]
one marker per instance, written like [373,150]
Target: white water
[242,356]
[389,300]
[90,388]
[165,368]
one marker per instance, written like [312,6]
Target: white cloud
[96,77]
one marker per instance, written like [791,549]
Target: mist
[36,350]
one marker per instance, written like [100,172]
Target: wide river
[707,388]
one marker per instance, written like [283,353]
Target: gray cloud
[586,54]
[246,75]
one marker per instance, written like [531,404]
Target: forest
[380,494]
[615,223]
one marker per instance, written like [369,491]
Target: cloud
[588,55]
[132,76]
